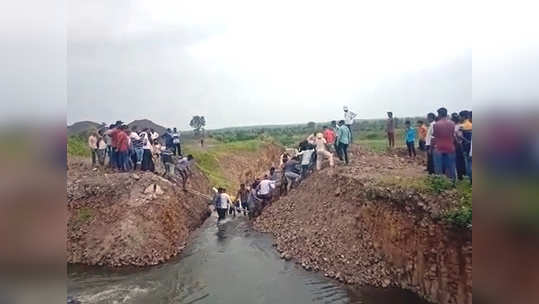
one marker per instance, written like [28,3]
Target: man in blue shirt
[409,136]
[344,138]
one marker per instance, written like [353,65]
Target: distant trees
[311,125]
[198,123]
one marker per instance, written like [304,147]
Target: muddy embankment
[346,225]
[140,218]
[119,219]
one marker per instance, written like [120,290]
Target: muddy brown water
[225,263]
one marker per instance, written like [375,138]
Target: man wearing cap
[349,119]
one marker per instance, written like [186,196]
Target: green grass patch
[77,146]
[376,141]
[85,214]
[461,214]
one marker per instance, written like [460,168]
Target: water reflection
[225,263]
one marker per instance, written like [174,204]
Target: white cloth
[429,133]
[134,135]
[101,144]
[223,201]
[349,117]
[147,144]
[306,156]
[183,163]
[266,186]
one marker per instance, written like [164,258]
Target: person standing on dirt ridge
[176,140]
[335,129]
[429,141]
[123,148]
[147,160]
[409,137]
[167,137]
[444,146]
[329,136]
[422,134]
[349,119]
[92,144]
[390,129]
[101,148]
[137,144]
[344,138]
[113,132]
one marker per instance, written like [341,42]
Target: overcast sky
[243,62]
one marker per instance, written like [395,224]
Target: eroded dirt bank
[119,219]
[356,229]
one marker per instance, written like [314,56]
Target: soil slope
[355,228]
[118,219]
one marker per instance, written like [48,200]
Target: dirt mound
[355,228]
[119,219]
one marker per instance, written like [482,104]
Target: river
[229,263]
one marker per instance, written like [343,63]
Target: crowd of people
[294,166]
[447,141]
[124,149]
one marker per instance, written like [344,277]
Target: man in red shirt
[444,146]
[329,136]
[113,132]
[122,144]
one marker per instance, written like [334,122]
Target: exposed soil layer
[356,229]
[119,219]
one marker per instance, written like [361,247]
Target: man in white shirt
[428,142]
[222,203]
[349,119]
[265,189]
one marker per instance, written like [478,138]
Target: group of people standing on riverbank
[130,149]
[447,141]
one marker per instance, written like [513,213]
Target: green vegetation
[207,160]
[462,215]
[85,214]
[77,146]
[438,183]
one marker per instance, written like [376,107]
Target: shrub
[77,146]
[438,183]
[462,215]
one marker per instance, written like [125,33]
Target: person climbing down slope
[183,168]
[306,151]
[291,172]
